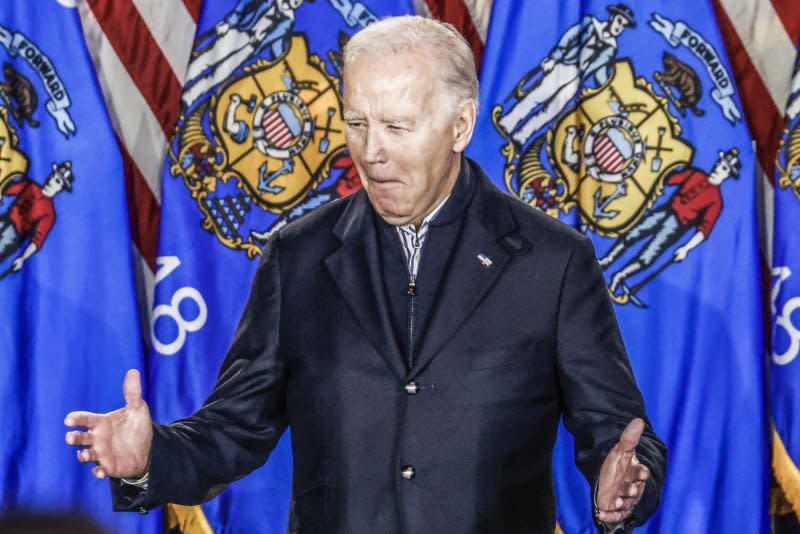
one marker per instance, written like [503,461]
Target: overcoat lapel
[355,268]
[477,262]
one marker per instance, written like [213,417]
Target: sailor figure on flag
[587,49]
[250,29]
[696,204]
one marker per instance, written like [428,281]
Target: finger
[631,435]
[132,388]
[612,517]
[636,473]
[628,503]
[87,419]
[624,502]
[642,473]
[631,490]
[99,472]
[87,455]
[79,438]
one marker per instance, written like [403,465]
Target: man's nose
[375,151]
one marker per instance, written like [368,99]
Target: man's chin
[393,219]
[391,216]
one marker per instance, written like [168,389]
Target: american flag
[140,49]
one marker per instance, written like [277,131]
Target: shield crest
[613,149]
[279,125]
[263,140]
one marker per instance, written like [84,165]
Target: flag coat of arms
[622,120]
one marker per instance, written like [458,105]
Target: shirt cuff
[608,528]
[138,482]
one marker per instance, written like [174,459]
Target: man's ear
[464,124]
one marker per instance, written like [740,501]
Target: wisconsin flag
[260,141]
[69,327]
[785,302]
[622,120]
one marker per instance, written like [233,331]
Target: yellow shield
[614,149]
[12,161]
[279,126]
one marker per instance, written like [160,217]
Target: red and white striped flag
[761,39]
[140,50]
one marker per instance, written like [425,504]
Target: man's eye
[397,128]
[354,124]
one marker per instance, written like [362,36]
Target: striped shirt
[412,238]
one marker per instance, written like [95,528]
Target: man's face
[405,147]
[54,184]
[617,25]
[721,171]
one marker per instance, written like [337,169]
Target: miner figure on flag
[31,214]
[696,204]
[587,49]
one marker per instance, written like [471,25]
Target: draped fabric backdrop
[194,130]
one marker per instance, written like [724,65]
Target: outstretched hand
[622,478]
[117,442]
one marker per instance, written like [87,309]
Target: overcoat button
[412,388]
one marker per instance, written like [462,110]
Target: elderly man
[422,338]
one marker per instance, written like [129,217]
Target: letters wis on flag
[69,327]
[260,141]
[622,119]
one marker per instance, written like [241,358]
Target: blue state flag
[622,120]
[785,303]
[69,327]
[259,143]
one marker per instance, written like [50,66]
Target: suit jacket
[509,349]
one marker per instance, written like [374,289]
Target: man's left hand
[16,265]
[622,479]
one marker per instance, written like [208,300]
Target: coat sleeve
[193,459]
[599,391]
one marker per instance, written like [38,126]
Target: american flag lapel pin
[484,259]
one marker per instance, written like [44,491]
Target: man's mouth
[383,180]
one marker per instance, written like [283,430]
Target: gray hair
[396,35]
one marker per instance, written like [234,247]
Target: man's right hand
[117,442]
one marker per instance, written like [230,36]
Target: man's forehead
[419,58]
[392,76]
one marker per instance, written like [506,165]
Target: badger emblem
[21,92]
[680,78]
